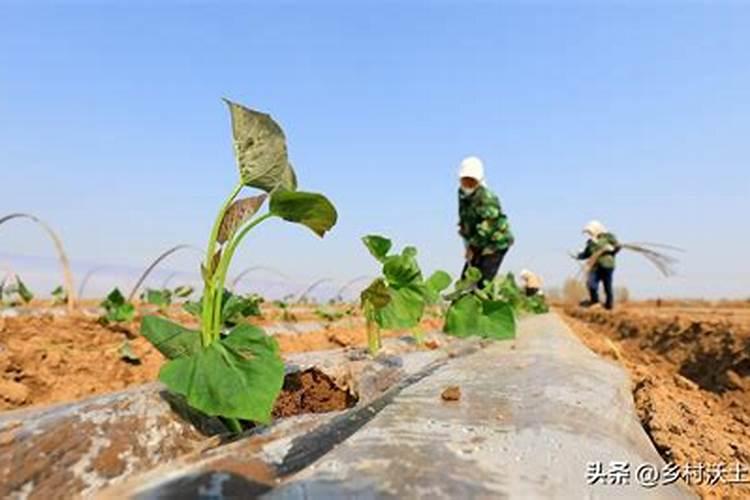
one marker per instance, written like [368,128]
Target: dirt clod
[13,393]
[311,391]
[451,393]
[7,437]
[432,344]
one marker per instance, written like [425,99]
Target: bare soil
[690,368]
[311,391]
[52,358]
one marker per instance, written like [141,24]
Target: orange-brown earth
[53,358]
[690,367]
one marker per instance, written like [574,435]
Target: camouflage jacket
[593,246]
[482,223]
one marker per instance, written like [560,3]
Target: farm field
[690,368]
[688,361]
[50,357]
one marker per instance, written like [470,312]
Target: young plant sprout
[116,308]
[286,313]
[235,372]
[328,314]
[507,289]
[62,256]
[398,298]
[183,291]
[479,312]
[59,296]
[15,293]
[159,298]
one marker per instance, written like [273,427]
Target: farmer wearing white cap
[482,223]
[600,251]
[531,283]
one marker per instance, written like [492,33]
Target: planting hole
[311,391]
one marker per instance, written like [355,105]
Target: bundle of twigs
[663,262]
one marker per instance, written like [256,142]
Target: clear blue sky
[112,128]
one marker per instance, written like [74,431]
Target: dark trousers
[604,276]
[487,264]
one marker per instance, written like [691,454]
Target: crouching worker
[601,249]
[482,223]
[530,283]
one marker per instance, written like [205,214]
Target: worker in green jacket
[601,249]
[482,223]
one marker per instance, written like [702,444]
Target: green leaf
[404,310]
[402,270]
[117,309]
[471,316]
[260,149]
[310,209]
[238,376]
[507,289]
[159,298]
[410,252]
[376,295]
[328,315]
[536,304]
[378,246]
[436,283]
[462,317]
[121,313]
[115,298]
[183,291]
[59,296]
[471,278]
[171,339]
[194,308]
[23,291]
[236,307]
[498,320]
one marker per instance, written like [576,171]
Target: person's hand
[469,254]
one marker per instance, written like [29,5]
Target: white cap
[594,228]
[525,273]
[472,167]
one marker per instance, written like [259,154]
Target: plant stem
[233,424]
[209,290]
[419,334]
[223,268]
[373,337]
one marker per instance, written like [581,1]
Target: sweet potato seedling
[506,288]
[59,296]
[164,297]
[286,313]
[183,291]
[235,372]
[116,308]
[14,292]
[479,312]
[398,298]
[328,314]
[161,298]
